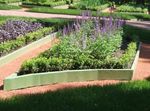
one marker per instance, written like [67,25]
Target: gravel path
[143,66]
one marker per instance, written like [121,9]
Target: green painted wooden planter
[16,82]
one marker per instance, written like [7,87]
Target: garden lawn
[132,96]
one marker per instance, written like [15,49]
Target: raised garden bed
[23,31]
[17,33]
[89,49]
[17,82]
[14,55]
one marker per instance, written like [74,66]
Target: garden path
[142,71]
[143,66]
[23,13]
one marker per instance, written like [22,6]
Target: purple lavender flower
[64,31]
[84,41]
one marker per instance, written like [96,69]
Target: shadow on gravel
[1,87]
[148,78]
[145,52]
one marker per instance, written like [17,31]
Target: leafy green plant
[129,54]
[88,46]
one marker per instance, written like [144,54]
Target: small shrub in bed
[8,7]
[92,4]
[46,3]
[90,7]
[86,44]
[132,8]
[127,57]
[9,1]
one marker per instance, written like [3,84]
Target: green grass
[126,16]
[132,96]
[8,7]
[56,11]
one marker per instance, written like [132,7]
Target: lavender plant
[88,28]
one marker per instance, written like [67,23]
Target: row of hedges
[8,7]
[9,46]
[130,1]
[48,3]
[95,8]
[90,5]
[9,1]
[132,8]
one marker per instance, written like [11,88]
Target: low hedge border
[17,82]
[49,4]
[6,59]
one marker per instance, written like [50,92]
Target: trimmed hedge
[8,7]
[95,8]
[132,8]
[46,4]
[9,1]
